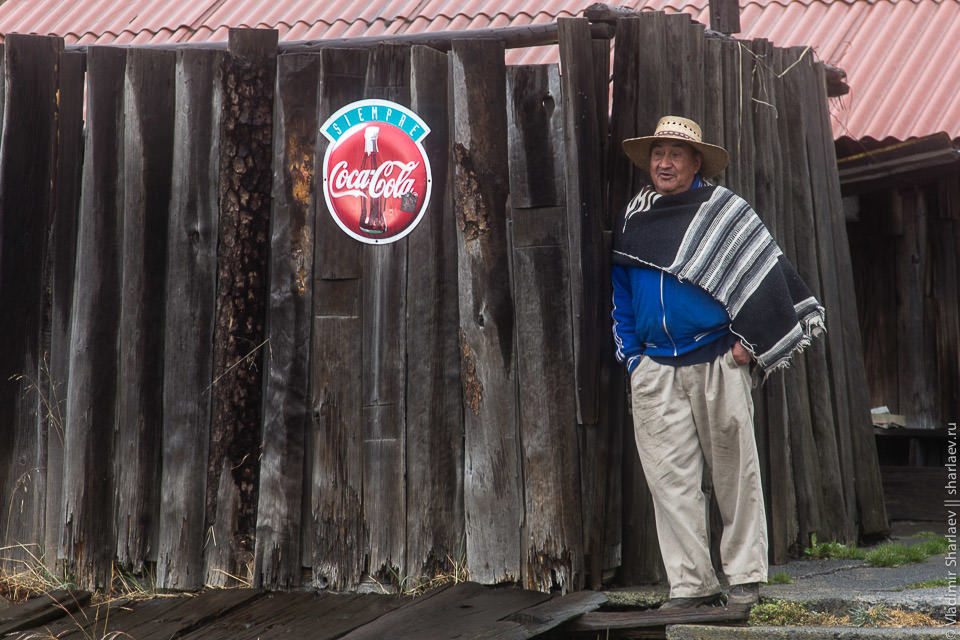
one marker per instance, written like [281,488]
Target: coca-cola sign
[376,175]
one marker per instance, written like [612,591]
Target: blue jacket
[657,314]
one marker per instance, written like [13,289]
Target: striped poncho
[711,237]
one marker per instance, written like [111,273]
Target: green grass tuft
[780,578]
[929,584]
[778,613]
[897,554]
[833,550]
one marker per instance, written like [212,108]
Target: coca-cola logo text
[374,184]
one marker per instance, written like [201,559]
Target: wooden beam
[286,412]
[87,544]
[188,337]
[511,37]
[479,180]
[246,174]
[147,164]
[725,16]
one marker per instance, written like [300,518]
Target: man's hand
[740,355]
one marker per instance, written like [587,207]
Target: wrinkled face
[673,166]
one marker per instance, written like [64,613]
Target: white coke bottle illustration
[371,207]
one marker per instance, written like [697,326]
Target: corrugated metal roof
[900,55]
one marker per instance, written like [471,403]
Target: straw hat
[715,159]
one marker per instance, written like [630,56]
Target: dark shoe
[744,594]
[689,603]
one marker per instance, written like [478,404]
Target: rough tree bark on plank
[246,174]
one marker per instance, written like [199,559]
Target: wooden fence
[208,379]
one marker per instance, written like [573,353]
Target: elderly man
[701,291]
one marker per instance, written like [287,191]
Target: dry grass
[788,613]
[455,573]
[31,576]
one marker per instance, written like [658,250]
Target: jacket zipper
[663,310]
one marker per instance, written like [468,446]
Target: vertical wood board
[246,173]
[27,173]
[434,437]
[148,104]
[188,332]
[286,414]
[492,481]
[337,535]
[86,544]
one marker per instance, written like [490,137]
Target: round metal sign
[376,174]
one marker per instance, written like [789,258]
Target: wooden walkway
[463,611]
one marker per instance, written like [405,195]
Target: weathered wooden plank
[383,361]
[492,482]
[831,295]
[945,305]
[337,542]
[778,212]
[725,16]
[27,172]
[63,255]
[289,324]
[148,102]
[623,178]
[246,172]
[188,335]
[530,35]
[915,493]
[738,125]
[434,438]
[782,504]
[86,544]
[42,609]
[785,422]
[553,539]
[652,101]
[834,524]
[914,352]
[157,618]
[682,76]
[870,507]
[601,82]
[319,616]
[344,73]
[535,131]
[543,617]
[875,301]
[584,204]
[613,620]
[713,123]
[629,509]
[463,611]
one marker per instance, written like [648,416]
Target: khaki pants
[686,418]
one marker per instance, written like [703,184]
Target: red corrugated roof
[900,55]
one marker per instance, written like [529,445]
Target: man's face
[673,165]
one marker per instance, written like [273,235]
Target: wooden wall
[904,246]
[203,376]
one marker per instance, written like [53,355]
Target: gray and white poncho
[711,237]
